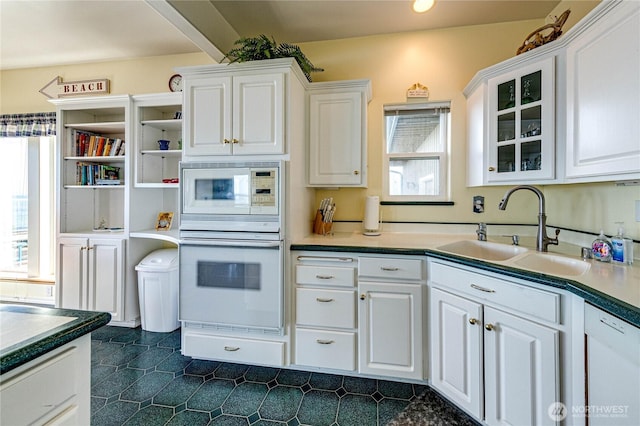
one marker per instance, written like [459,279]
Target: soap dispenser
[601,248]
[622,248]
[617,245]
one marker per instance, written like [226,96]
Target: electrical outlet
[478,204]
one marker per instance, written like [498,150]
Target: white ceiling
[61,32]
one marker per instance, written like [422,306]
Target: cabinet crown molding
[548,49]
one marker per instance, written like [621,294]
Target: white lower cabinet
[390,316]
[233,349]
[374,331]
[390,329]
[500,366]
[53,389]
[325,318]
[90,275]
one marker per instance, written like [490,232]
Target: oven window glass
[232,188]
[243,276]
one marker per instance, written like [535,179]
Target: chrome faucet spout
[542,240]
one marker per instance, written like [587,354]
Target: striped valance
[35,124]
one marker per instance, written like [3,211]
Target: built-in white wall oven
[231,245]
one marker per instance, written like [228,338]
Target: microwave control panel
[264,188]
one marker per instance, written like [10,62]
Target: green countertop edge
[616,307]
[30,349]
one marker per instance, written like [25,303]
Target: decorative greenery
[263,47]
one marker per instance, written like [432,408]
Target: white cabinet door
[390,329]
[337,124]
[234,115]
[603,98]
[105,276]
[91,275]
[72,273]
[521,126]
[258,114]
[207,109]
[521,370]
[456,350]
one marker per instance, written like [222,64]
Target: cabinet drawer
[325,275]
[392,268]
[530,301]
[231,349]
[325,308]
[40,390]
[326,349]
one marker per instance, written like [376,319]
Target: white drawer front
[222,348]
[325,275]
[42,389]
[527,300]
[392,268]
[325,308]
[327,349]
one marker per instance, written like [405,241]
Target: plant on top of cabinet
[263,47]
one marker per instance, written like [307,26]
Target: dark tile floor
[140,378]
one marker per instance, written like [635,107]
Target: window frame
[41,175]
[443,108]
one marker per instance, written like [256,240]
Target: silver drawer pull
[486,290]
[325,259]
[325,277]
[323,300]
[231,348]
[389,268]
[325,342]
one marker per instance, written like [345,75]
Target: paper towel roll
[371,222]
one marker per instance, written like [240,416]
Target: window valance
[34,124]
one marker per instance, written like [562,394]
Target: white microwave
[211,189]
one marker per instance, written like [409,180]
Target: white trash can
[158,290]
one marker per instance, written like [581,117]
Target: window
[27,226]
[416,161]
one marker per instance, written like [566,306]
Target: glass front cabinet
[521,140]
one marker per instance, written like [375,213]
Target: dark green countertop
[44,339]
[604,301]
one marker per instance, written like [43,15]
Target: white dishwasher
[613,370]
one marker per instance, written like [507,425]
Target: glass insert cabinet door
[521,145]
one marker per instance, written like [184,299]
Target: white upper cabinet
[521,144]
[511,122]
[239,109]
[338,133]
[564,112]
[603,98]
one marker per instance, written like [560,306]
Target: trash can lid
[159,260]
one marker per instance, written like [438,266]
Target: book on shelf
[87,144]
[96,174]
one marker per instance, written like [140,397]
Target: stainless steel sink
[553,264]
[483,250]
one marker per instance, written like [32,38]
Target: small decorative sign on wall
[418,91]
[57,89]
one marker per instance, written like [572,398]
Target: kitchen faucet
[542,240]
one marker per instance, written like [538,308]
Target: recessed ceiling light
[421,6]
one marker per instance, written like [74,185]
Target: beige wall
[19,89]
[444,60]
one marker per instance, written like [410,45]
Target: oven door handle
[232,243]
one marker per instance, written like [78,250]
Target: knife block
[321,227]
